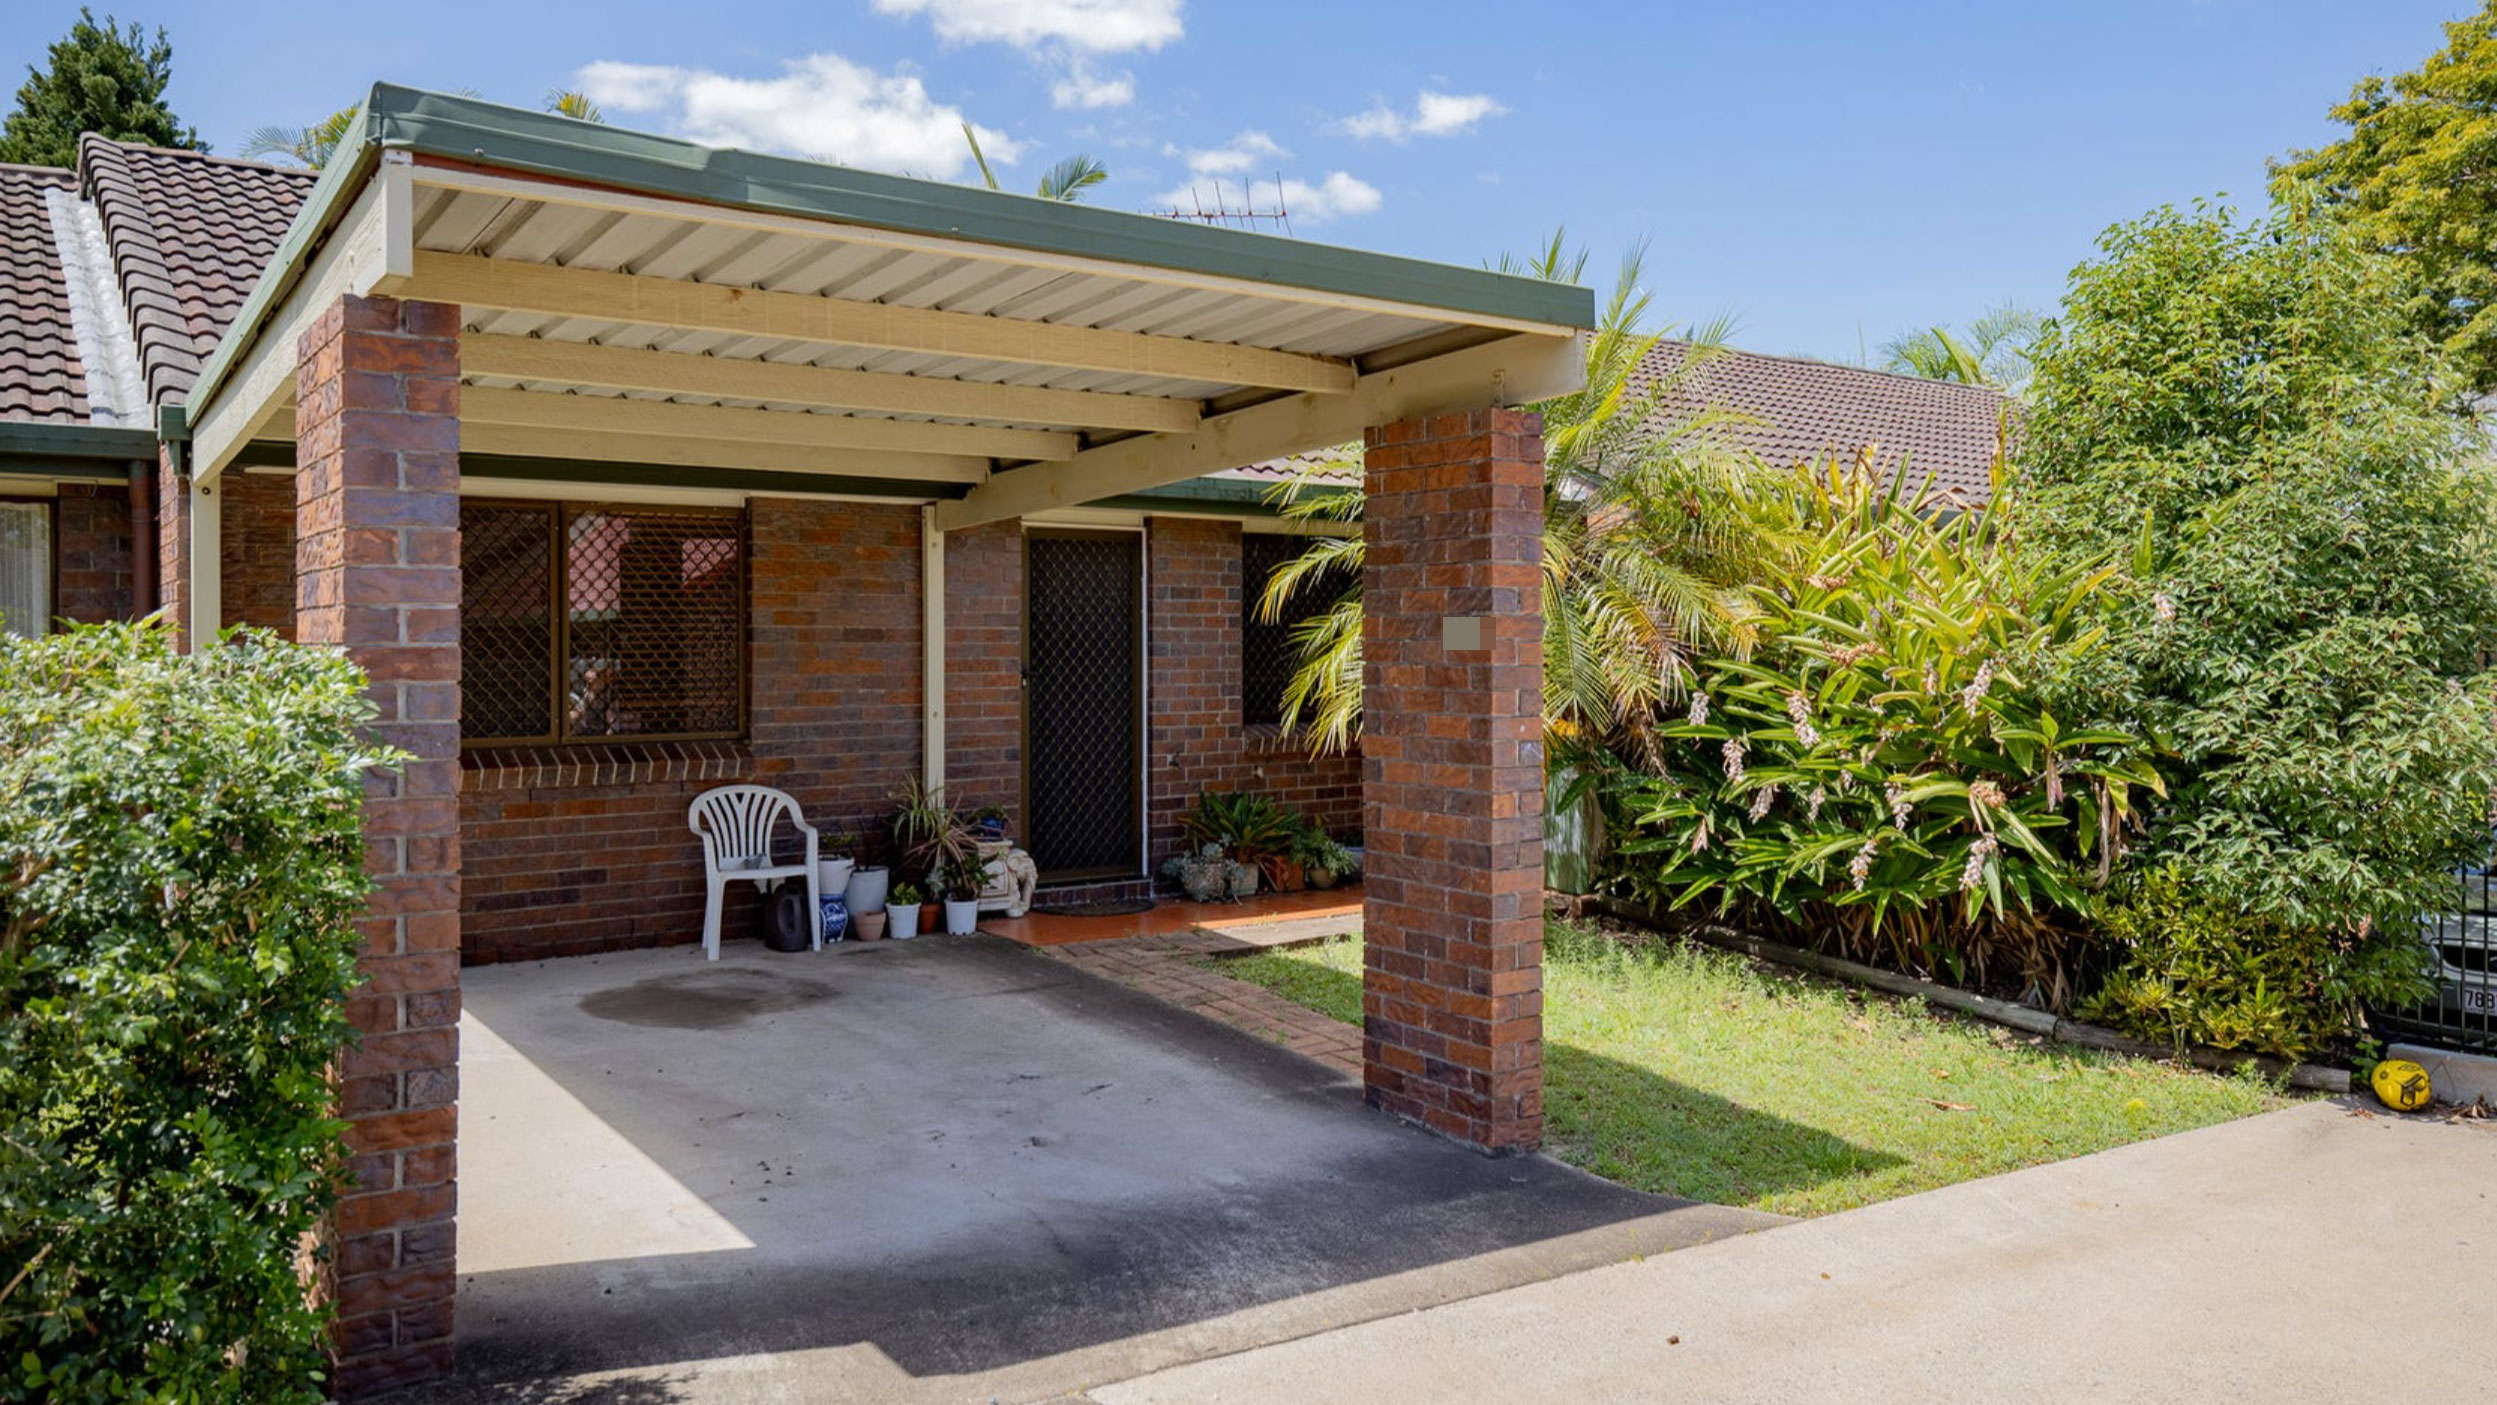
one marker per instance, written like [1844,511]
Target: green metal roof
[453,128]
[542,143]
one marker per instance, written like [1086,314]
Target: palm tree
[305,146]
[1652,527]
[1994,350]
[1067,181]
[575,104]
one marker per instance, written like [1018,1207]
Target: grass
[1694,1072]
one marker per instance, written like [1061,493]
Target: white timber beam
[551,291]
[611,415]
[206,567]
[538,442]
[370,252]
[1512,371]
[931,651]
[824,387]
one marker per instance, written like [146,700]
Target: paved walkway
[2319,1253]
[1170,968]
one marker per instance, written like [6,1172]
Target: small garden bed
[1694,1072]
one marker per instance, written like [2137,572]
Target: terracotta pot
[867,926]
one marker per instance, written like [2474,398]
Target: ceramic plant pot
[1322,878]
[867,889]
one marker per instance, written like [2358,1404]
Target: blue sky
[1828,173]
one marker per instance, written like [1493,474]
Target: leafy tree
[2241,410]
[1065,181]
[1652,526]
[102,78]
[1993,350]
[2413,178]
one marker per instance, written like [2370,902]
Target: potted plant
[868,881]
[835,862]
[902,910]
[1200,873]
[961,876]
[868,926]
[1323,861]
[992,822]
[1250,831]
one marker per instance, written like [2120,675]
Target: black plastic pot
[785,920]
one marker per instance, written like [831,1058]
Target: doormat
[1126,907]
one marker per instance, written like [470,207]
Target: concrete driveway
[951,1169]
[2316,1254]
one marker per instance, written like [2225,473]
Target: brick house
[626,467]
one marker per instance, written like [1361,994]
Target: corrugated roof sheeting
[500,226]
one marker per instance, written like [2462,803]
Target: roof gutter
[73,450]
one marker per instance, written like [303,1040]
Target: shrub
[2201,972]
[182,844]
[1883,775]
[2240,409]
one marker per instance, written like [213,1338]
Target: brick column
[377,561]
[1452,799]
[173,546]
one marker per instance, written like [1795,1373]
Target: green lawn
[1694,1072]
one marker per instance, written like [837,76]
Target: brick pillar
[377,561]
[1452,798]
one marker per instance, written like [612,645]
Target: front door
[1083,714]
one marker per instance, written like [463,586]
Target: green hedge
[181,843]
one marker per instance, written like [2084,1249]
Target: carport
[944,1170]
[477,298]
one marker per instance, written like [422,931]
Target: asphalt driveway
[951,1169]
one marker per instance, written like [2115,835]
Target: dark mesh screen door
[1082,664]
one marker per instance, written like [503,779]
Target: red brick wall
[92,553]
[556,866]
[377,503]
[1452,915]
[256,537]
[173,544]
[984,667]
[1196,741]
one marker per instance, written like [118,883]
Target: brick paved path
[1165,967]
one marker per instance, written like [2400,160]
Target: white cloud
[1338,195]
[1061,35]
[1433,115]
[1252,148]
[1081,87]
[821,106]
[1095,26]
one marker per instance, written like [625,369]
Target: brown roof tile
[1809,410]
[40,378]
[190,235]
[1789,411]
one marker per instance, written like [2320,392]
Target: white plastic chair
[736,824]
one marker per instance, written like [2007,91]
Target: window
[25,568]
[584,623]
[1268,657]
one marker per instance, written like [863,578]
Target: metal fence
[2463,1014]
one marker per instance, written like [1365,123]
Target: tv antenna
[1247,214]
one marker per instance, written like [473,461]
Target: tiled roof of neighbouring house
[1786,411]
[40,378]
[190,234]
[1805,411]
